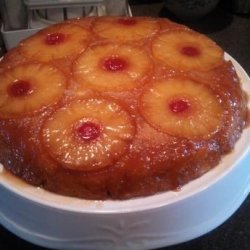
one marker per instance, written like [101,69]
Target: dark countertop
[232,32]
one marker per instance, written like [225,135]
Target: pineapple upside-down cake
[116,107]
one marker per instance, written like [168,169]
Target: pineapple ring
[128,68]
[100,146]
[57,41]
[126,29]
[25,89]
[187,50]
[181,107]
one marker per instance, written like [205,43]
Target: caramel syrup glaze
[13,179]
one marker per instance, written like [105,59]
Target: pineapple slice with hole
[89,134]
[55,42]
[27,88]
[187,50]
[126,28]
[112,67]
[182,107]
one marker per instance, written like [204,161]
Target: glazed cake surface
[117,107]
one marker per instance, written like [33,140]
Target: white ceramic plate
[55,221]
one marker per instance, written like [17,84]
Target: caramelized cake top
[114,107]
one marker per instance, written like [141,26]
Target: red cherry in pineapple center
[179,106]
[190,51]
[19,88]
[127,21]
[88,131]
[115,64]
[54,38]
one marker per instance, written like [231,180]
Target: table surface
[232,32]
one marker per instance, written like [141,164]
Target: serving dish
[164,219]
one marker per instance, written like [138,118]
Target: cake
[117,107]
